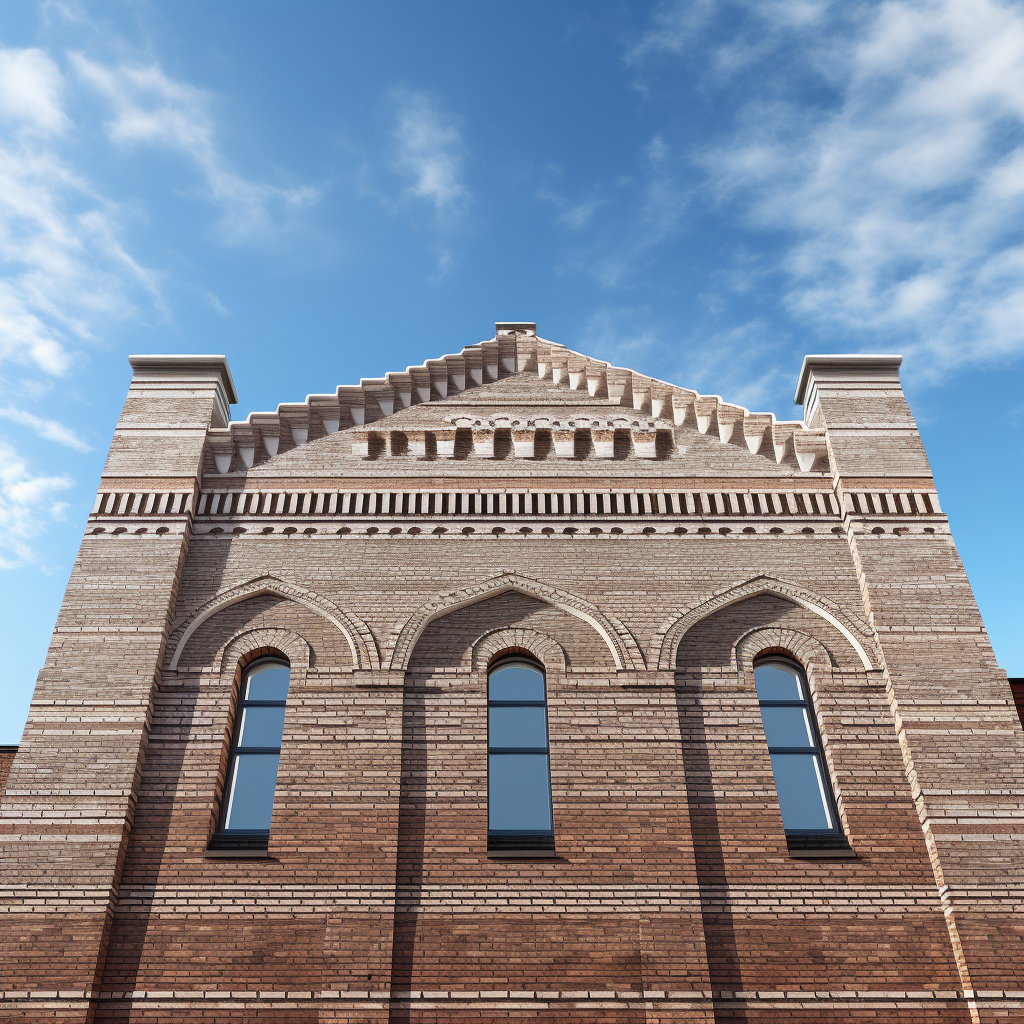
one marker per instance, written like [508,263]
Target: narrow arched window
[801,779]
[519,818]
[255,752]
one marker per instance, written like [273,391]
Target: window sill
[522,845]
[524,854]
[820,847]
[237,854]
[231,844]
[838,854]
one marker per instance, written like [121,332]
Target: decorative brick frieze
[863,506]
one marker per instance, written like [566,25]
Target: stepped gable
[524,387]
[514,382]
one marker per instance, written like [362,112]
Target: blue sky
[704,191]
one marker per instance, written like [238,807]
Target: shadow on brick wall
[128,948]
[411,829]
[712,879]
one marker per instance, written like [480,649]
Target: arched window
[519,819]
[255,752]
[801,779]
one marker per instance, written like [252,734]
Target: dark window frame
[245,838]
[519,842]
[805,838]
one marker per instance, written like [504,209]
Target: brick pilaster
[961,740]
[71,792]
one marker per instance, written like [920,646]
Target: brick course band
[337,504]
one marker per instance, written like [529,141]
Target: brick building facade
[651,562]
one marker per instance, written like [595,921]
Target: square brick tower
[516,686]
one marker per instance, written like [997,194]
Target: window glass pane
[268,682]
[252,791]
[518,727]
[801,793]
[777,682]
[518,796]
[787,727]
[516,682]
[261,727]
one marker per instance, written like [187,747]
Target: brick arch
[623,647]
[294,647]
[666,642]
[809,651]
[360,640]
[547,651]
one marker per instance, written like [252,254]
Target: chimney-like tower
[73,786]
[955,720]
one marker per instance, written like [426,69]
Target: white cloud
[429,152]
[152,109]
[64,269]
[30,87]
[26,500]
[51,430]
[902,200]
[66,275]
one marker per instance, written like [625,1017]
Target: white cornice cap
[864,363]
[184,366]
[515,326]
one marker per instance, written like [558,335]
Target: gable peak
[516,351]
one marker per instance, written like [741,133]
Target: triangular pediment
[514,381]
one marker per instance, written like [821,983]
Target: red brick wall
[673,894]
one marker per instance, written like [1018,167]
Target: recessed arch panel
[856,632]
[360,640]
[623,647]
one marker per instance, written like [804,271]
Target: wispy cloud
[428,152]
[651,208]
[68,279]
[678,27]
[152,109]
[744,363]
[51,430]
[674,27]
[64,269]
[574,214]
[26,503]
[741,363]
[893,171]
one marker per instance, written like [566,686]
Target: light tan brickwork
[645,544]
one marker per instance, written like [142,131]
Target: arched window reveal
[255,752]
[519,818]
[801,779]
